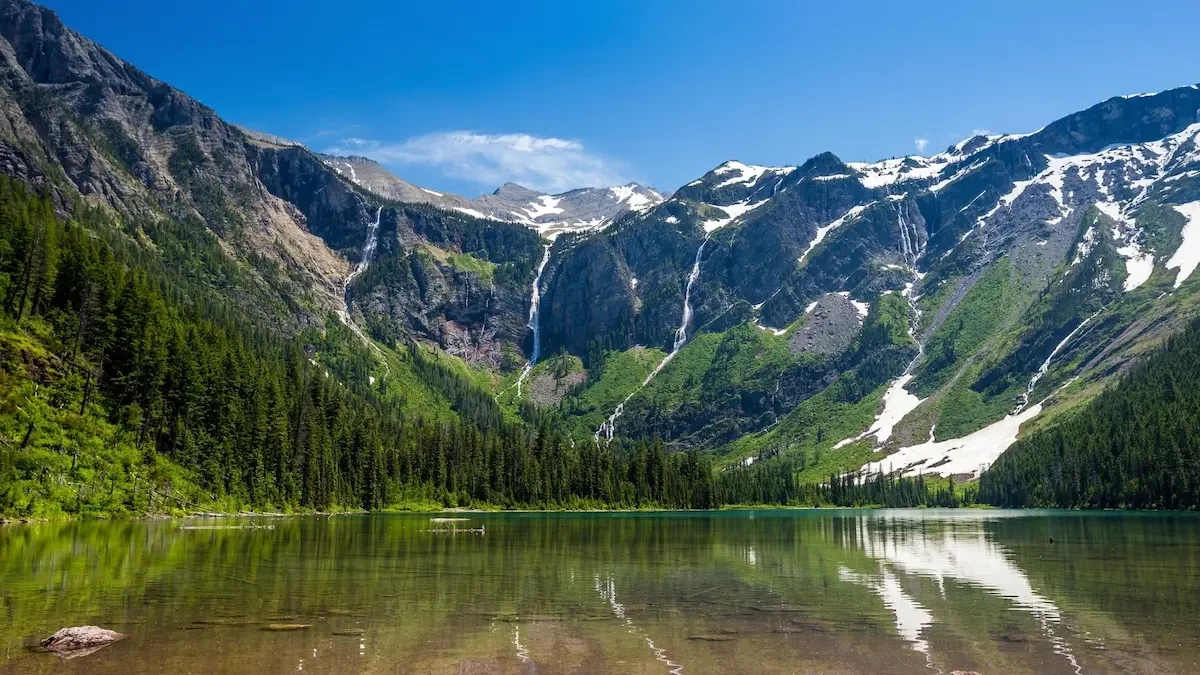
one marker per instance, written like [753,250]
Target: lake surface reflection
[730,592]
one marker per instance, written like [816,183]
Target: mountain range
[550,215]
[914,314]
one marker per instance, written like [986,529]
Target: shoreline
[210,515]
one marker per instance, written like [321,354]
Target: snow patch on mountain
[747,174]
[633,198]
[732,212]
[961,173]
[469,212]
[891,171]
[824,230]
[970,454]
[545,205]
[897,403]
[861,307]
[1086,244]
[1139,264]
[1187,256]
[773,331]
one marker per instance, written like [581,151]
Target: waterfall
[681,334]
[364,261]
[609,428]
[1045,367]
[535,308]
[368,252]
[910,241]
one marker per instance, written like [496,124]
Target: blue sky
[462,96]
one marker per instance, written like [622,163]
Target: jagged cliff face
[452,280]
[81,122]
[93,125]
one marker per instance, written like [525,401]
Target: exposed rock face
[450,279]
[829,328]
[332,209]
[547,390]
[147,150]
[77,641]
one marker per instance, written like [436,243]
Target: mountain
[1026,271]
[914,315]
[550,215]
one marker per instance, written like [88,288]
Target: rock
[285,627]
[79,641]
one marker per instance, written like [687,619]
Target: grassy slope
[623,372]
[984,326]
[811,430]
[84,463]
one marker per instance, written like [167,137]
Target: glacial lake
[766,591]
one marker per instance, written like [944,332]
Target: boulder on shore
[79,641]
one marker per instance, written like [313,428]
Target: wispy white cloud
[981,132]
[922,144]
[546,164]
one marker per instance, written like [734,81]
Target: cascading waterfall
[681,334]
[535,308]
[368,251]
[1045,367]
[915,308]
[364,261]
[910,242]
[609,428]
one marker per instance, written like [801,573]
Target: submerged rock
[79,641]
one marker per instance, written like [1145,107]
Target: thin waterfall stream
[1045,367]
[535,308]
[609,428]
[364,261]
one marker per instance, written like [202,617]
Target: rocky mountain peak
[824,164]
[512,190]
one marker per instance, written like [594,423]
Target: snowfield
[970,454]
[1187,256]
